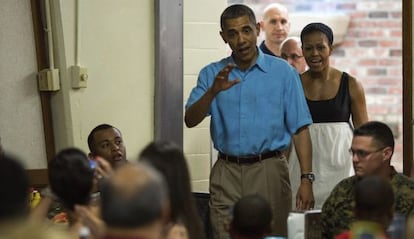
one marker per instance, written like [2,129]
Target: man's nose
[355,158]
[241,39]
[115,147]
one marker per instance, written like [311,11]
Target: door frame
[407,86]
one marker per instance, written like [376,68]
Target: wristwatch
[308,176]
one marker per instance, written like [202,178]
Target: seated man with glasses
[372,148]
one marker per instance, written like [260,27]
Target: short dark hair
[379,131]
[71,177]
[134,209]
[252,216]
[235,11]
[14,188]
[374,198]
[94,130]
[317,27]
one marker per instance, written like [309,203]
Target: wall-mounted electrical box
[48,80]
[79,77]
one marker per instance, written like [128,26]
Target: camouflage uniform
[337,211]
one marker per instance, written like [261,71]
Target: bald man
[134,203]
[291,51]
[276,26]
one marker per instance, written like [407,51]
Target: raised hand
[222,82]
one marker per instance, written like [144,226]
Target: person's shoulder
[403,183]
[343,189]
[348,182]
[216,65]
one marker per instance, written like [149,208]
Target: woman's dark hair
[170,161]
[71,177]
[317,27]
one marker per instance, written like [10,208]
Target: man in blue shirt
[256,103]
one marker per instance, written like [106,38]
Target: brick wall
[371,51]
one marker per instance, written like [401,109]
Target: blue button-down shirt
[260,113]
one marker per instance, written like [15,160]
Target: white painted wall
[202,45]
[21,126]
[116,45]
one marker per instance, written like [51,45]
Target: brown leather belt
[249,159]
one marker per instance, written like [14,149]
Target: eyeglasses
[291,56]
[362,153]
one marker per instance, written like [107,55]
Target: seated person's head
[372,148]
[14,189]
[134,196]
[106,141]
[252,217]
[374,201]
[170,161]
[71,177]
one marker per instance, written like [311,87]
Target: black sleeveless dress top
[337,109]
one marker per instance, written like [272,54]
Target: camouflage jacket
[337,211]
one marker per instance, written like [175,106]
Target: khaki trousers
[230,181]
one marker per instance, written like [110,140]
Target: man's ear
[387,153]
[258,29]
[223,37]
[261,24]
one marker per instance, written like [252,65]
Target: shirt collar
[260,61]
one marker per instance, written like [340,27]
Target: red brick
[396,33]
[390,62]
[389,24]
[358,15]
[378,14]
[395,90]
[368,43]
[347,43]
[389,81]
[367,62]
[362,24]
[357,33]
[396,14]
[377,71]
[390,43]
[396,52]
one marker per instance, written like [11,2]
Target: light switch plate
[79,77]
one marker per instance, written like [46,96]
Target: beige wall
[116,45]
[202,45]
[21,126]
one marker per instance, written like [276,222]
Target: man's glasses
[291,56]
[362,153]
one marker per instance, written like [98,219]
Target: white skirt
[331,161]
